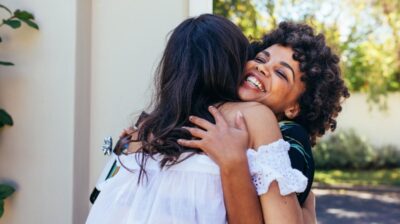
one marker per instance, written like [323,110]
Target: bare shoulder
[261,122]
[256,109]
[251,111]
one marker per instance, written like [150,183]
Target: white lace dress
[188,192]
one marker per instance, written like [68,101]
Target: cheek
[249,65]
[280,86]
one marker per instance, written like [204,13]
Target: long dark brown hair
[201,66]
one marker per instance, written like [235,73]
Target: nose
[262,70]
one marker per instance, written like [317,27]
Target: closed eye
[260,60]
[282,74]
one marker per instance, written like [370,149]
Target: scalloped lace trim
[271,162]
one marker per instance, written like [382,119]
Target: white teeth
[255,82]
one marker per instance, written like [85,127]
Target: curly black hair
[324,86]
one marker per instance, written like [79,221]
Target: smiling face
[273,79]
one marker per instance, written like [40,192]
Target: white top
[187,192]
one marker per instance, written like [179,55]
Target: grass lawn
[359,178]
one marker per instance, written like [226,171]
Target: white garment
[271,162]
[189,192]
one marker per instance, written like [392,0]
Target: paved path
[357,207]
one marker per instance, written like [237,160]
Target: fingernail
[190,118]
[239,114]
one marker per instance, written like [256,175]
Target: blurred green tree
[241,12]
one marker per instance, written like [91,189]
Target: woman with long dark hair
[164,182]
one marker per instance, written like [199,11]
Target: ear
[292,111]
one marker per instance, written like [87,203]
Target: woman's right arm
[214,141]
[227,147]
[261,122]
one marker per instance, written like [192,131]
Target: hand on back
[225,144]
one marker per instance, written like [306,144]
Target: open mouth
[253,81]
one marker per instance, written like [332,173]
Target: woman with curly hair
[298,77]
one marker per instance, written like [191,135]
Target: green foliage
[15,18]
[14,21]
[5,191]
[6,63]
[347,150]
[26,17]
[388,177]
[365,33]
[387,156]
[243,13]
[5,118]
[5,8]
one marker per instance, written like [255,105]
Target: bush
[347,150]
[388,157]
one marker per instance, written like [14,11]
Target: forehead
[281,52]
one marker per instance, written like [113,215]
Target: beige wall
[379,127]
[80,78]
[128,39]
[37,152]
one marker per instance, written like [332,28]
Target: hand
[126,131]
[309,210]
[226,145]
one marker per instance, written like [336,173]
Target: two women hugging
[229,133]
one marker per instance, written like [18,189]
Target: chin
[245,95]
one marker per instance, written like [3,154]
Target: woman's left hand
[225,144]
[309,210]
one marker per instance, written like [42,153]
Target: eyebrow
[287,66]
[266,53]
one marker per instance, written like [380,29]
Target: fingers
[196,132]
[189,143]
[206,125]
[240,122]
[126,131]
[200,122]
[309,203]
[219,119]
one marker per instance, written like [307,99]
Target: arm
[241,200]
[222,143]
[308,208]
[276,208]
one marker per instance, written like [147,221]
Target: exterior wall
[37,152]
[128,40]
[379,127]
[82,102]
[81,77]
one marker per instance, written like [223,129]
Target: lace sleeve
[271,162]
